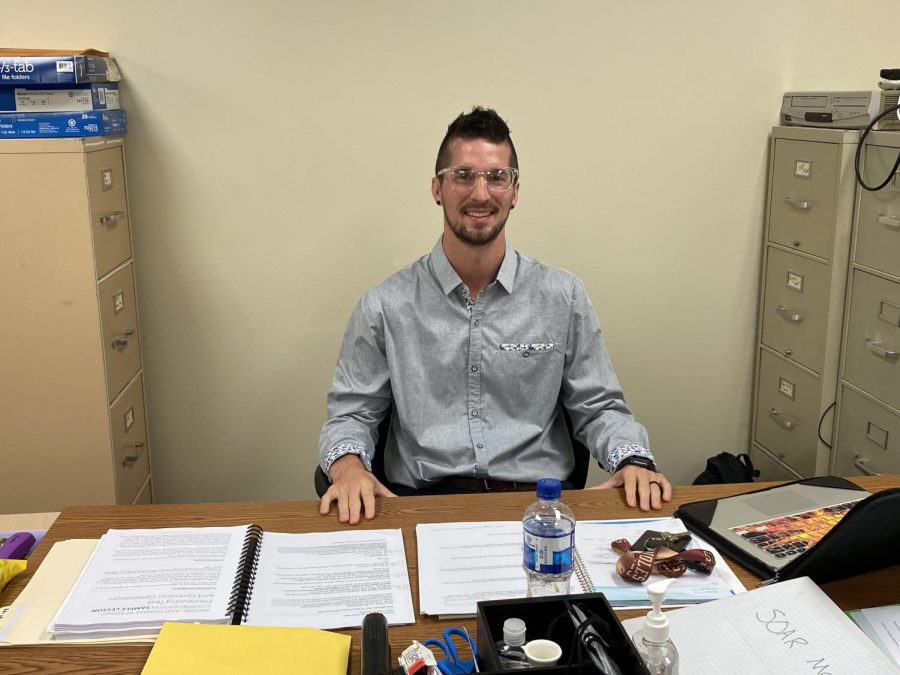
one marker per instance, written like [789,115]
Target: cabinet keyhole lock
[130,459]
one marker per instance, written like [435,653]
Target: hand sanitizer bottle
[509,649]
[652,641]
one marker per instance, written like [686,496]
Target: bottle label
[548,554]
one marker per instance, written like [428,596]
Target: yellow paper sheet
[201,649]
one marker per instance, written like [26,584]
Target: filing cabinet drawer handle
[779,417]
[876,348]
[789,314]
[859,464]
[889,221]
[123,341]
[130,459]
[112,218]
[801,204]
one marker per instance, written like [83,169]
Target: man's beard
[477,237]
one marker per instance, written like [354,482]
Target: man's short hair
[482,123]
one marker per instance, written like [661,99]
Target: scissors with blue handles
[452,664]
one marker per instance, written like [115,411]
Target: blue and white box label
[57,69]
[60,125]
[56,98]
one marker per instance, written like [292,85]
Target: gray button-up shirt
[476,386]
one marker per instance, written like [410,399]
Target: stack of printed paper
[462,563]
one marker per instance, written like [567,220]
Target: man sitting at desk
[473,348]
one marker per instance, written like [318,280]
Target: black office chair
[577,479]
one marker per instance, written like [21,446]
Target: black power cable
[862,140]
[822,419]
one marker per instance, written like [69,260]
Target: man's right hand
[353,488]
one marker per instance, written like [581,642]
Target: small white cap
[514,632]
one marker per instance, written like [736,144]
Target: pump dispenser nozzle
[656,625]
[652,641]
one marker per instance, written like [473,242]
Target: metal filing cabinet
[868,436]
[868,427]
[72,411]
[808,224]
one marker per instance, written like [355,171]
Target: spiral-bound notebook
[138,579]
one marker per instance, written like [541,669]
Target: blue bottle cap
[549,488]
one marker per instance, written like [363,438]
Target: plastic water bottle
[509,649]
[548,530]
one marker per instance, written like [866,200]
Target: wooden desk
[877,588]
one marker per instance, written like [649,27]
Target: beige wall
[279,160]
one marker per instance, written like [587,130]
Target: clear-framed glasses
[463,178]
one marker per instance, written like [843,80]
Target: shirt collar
[506,276]
[449,279]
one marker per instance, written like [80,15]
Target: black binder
[865,539]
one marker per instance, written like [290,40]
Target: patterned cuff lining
[620,452]
[339,451]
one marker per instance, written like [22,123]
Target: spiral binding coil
[242,588]
[581,571]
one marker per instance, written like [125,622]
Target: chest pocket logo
[526,349]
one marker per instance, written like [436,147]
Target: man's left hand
[644,488]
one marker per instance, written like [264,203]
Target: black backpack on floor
[728,468]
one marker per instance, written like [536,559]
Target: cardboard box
[63,69]
[549,618]
[58,125]
[60,98]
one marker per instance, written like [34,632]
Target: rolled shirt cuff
[339,451]
[620,452]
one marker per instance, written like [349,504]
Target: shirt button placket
[476,431]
